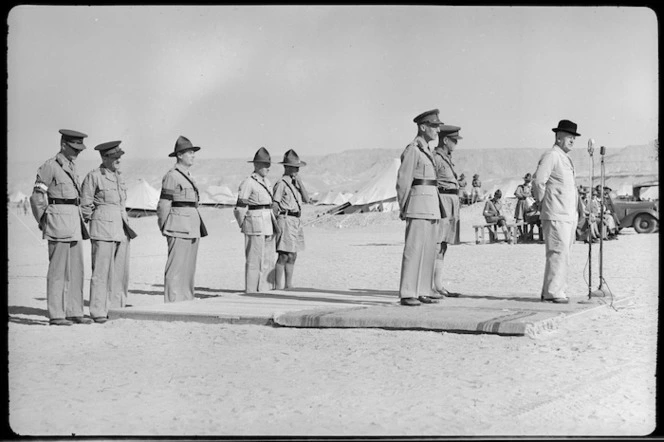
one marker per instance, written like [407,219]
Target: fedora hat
[566,126]
[181,145]
[291,159]
[261,156]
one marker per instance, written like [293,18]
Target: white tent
[218,195]
[380,193]
[17,197]
[142,197]
[650,193]
[334,198]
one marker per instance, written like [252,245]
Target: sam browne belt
[74,201]
[184,204]
[259,206]
[448,191]
[290,213]
[421,182]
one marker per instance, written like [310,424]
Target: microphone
[602,150]
[591,146]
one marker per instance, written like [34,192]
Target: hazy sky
[324,79]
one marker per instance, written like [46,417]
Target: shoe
[60,322]
[410,301]
[435,295]
[447,294]
[80,320]
[427,300]
[556,300]
[100,320]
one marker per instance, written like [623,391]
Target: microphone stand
[591,145]
[602,289]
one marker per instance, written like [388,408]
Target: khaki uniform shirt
[103,197]
[58,178]
[178,186]
[445,174]
[287,196]
[254,191]
[417,201]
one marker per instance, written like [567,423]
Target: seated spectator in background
[532,219]
[492,215]
[463,192]
[524,199]
[611,221]
[587,219]
[476,193]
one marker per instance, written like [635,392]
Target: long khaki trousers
[110,276]
[64,280]
[180,269]
[419,255]
[260,256]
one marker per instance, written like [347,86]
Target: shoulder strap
[70,176]
[264,187]
[449,163]
[289,185]
[189,179]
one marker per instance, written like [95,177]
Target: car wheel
[645,224]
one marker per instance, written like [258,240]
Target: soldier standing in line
[448,192]
[419,205]
[103,196]
[289,195]
[181,223]
[253,213]
[55,205]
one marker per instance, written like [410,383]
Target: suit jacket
[417,201]
[554,186]
[178,186]
[103,197]
[57,178]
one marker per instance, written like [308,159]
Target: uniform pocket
[178,223]
[60,224]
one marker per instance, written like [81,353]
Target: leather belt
[290,213]
[184,204]
[448,191]
[421,182]
[73,201]
[260,207]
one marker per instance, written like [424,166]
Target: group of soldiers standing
[428,195]
[270,219]
[69,212]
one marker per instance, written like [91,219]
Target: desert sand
[592,376]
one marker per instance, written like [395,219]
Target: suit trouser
[419,255]
[110,275]
[558,239]
[64,281]
[260,256]
[180,269]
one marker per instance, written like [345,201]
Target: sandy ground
[593,375]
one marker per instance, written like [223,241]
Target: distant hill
[347,171]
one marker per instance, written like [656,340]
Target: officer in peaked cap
[55,205]
[254,215]
[180,222]
[73,138]
[103,198]
[555,191]
[289,196]
[419,206]
[448,193]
